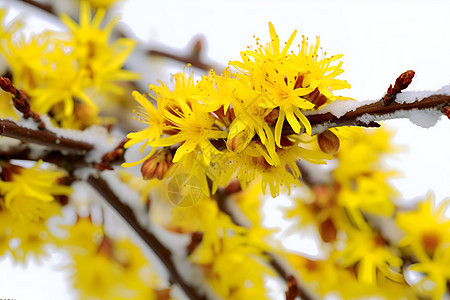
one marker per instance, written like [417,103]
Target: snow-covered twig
[192,57]
[45,138]
[364,113]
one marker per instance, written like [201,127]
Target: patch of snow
[412,96]
[424,118]
[98,136]
[339,108]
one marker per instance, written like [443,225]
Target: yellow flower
[250,119]
[102,60]
[195,129]
[364,185]
[29,193]
[238,270]
[370,252]
[26,59]
[426,229]
[59,89]
[204,217]
[179,113]
[369,193]
[436,270]
[82,237]
[154,119]
[289,81]
[325,277]
[103,268]
[33,236]
[254,163]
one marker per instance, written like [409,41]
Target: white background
[379,40]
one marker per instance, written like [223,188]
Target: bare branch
[45,7]
[375,112]
[192,57]
[42,137]
[149,238]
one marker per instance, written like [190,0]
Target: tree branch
[192,57]
[149,238]
[45,7]
[375,112]
[42,137]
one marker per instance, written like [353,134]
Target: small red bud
[446,111]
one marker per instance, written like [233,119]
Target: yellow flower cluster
[339,209]
[27,201]
[363,183]
[249,124]
[225,248]
[67,74]
[427,238]
[103,268]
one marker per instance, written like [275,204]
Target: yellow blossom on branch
[369,252]
[101,59]
[426,228]
[289,80]
[28,193]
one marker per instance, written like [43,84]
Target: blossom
[61,90]
[29,193]
[363,183]
[204,217]
[151,116]
[106,268]
[435,269]
[289,80]
[179,113]
[368,248]
[237,270]
[102,60]
[26,203]
[253,164]
[426,229]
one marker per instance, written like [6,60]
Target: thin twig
[42,137]
[192,57]
[375,111]
[21,101]
[149,238]
[45,7]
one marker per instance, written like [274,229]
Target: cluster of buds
[402,82]
[21,101]
[157,165]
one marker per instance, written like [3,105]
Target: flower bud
[328,142]
[157,165]
[148,168]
